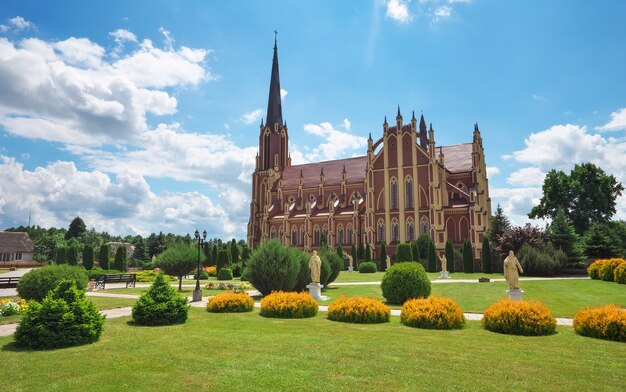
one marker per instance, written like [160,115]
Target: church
[404,186]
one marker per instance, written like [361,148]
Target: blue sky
[143,116]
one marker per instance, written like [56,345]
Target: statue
[511,266]
[315,264]
[444,263]
[388,262]
[349,261]
[91,286]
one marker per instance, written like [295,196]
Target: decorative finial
[344,169]
[275,37]
[301,173]
[385,120]
[399,115]
[413,115]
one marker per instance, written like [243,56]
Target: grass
[345,276]
[186,292]
[563,297]
[246,352]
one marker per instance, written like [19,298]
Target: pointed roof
[274,106]
[399,115]
[422,124]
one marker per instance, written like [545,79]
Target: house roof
[458,157]
[355,172]
[11,242]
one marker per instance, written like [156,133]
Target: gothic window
[410,230]
[380,230]
[280,235]
[316,235]
[302,235]
[294,236]
[273,233]
[395,235]
[349,235]
[394,193]
[340,238]
[408,190]
[424,224]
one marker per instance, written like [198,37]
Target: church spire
[274,106]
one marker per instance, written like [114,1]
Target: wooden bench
[9,282]
[129,279]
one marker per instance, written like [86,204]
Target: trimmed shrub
[236,268]
[38,282]
[605,322]
[121,261]
[65,318]
[367,267]
[594,269]
[179,260]
[432,257]
[211,271]
[404,281]
[225,274]
[203,275]
[404,253]
[103,256]
[150,276]
[325,268]
[486,256]
[519,318]
[61,255]
[272,269]
[383,258]
[88,257]
[230,303]
[468,257]
[223,259]
[607,269]
[72,255]
[450,264]
[288,305]
[335,262]
[620,273]
[358,310]
[432,313]
[160,305]
[415,250]
[422,245]
[96,272]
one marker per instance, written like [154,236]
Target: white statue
[444,263]
[315,264]
[512,268]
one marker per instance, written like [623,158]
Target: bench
[9,282]
[129,279]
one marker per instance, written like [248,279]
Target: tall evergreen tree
[415,251]
[599,243]
[432,257]
[562,235]
[121,262]
[450,256]
[206,249]
[223,259]
[141,250]
[368,252]
[361,252]
[486,257]
[61,256]
[468,257]
[383,257]
[234,251]
[422,242]
[103,256]
[214,253]
[77,228]
[355,256]
[498,224]
[72,254]
[88,257]
[323,241]
[339,250]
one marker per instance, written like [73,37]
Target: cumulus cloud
[338,143]
[528,176]
[441,13]
[283,94]
[492,171]
[121,37]
[617,123]
[398,11]
[253,116]
[516,202]
[20,23]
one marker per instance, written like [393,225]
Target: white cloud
[338,144]
[253,116]
[441,13]
[617,123]
[528,176]
[283,94]
[20,23]
[4,28]
[459,1]
[398,11]
[492,171]
[167,38]
[121,36]
[538,97]
[516,202]
[346,124]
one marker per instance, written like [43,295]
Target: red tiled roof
[355,172]
[458,157]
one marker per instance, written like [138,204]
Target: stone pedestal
[515,294]
[197,296]
[315,289]
[444,275]
[350,269]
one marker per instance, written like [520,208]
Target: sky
[143,116]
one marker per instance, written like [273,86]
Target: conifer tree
[214,255]
[415,251]
[383,258]
[61,256]
[121,261]
[77,229]
[450,256]
[368,252]
[486,258]
[234,251]
[72,255]
[468,257]
[355,257]
[432,257]
[88,257]
[562,235]
[361,252]
[103,256]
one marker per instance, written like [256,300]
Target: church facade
[405,185]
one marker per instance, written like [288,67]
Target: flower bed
[606,322]
[432,313]
[10,307]
[281,304]
[519,318]
[236,287]
[230,303]
[359,310]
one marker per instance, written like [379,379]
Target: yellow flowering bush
[212,271]
[608,268]
[620,273]
[359,310]
[432,313]
[605,322]
[519,318]
[230,303]
[594,269]
[10,307]
[282,304]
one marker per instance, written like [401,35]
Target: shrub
[160,305]
[61,255]
[304,275]
[288,305]
[121,261]
[72,255]
[236,268]
[96,272]
[404,281]
[225,274]
[541,259]
[606,322]
[325,268]
[211,271]
[223,259]
[404,252]
[450,256]
[358,310]
[382,266]
[607,269]
[432,257]
[272,269]
[65,318]
[150,276]
[334,261]
[9,307]
[432,313]
[594,269]
[103,256]
[519,318]
[620,273]
[37,283]
[230,303]
[367,267]
[203,275]
[422,243]
[468,257]
[88,257]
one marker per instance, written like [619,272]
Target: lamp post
[197,293]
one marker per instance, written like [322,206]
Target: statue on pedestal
[388,262]
[444,263]
[315,264]
[512,268]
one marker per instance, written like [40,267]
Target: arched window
[273,233]
[280,236]
[302,236]
[349,235]
[316,235]
[424,224]
[340,238]
[408,190]
[395,232]
[394,193]
[294,236]
[410,230]
[380,230]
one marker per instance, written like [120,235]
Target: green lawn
[186,292]
[563,297]
[356,276]
[246,352]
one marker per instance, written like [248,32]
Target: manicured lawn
[186,292]
[563,297]
[356,276]
[246,352]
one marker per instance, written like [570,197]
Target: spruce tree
[234,251]
[121,262]
[562,235]
[61,256]
[498,224]
[355,257]
[415,251]
[77,229]
[72,255]
[361,252]
[223,259]
[383,258]
[432,257]
[214,255]
[88,257]
[486,258]
[468,258]
[422,243]
[368,252]
[103,256]
[206,248]
[450,256]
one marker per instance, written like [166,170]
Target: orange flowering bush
[432,313]
[620,273]
[606,322]
[359,310]
[282,304]
[519,318]
[594,269]
[212,271]
[608,268]
[230,303]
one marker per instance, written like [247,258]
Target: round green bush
[236,268]
[368,267]
[225,274]
[335,262]
[65,318]
[203,275]
[404,281]
[160,305]
[37,283]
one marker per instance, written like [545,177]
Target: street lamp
[197,293]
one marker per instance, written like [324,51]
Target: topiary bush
[160,305]
[607,269]
[358,310]
[203,275]
[432,257]
[230,303]
[121,259]
[38,282]
[236,268]
[605,322]
[223,259]
[432,313]
[404,253]
[288,305]
[65,318]
[620,273]
[404,281]
[367,267]
[225,274]
[594,269]
[150,276]
[271,268]
[519,318]
[468,257]
[334,261]
[88,257]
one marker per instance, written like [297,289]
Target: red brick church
[404,185]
